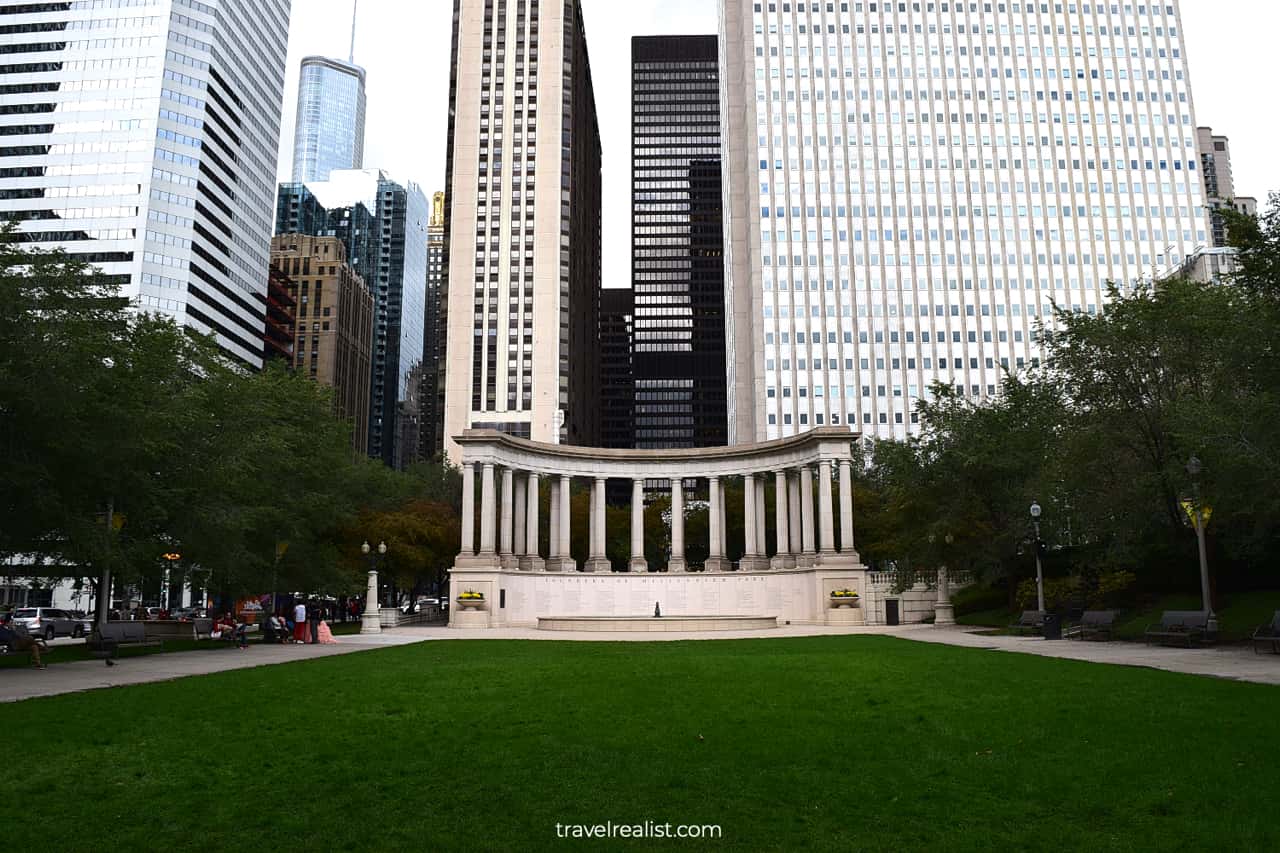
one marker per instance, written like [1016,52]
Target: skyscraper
[677,243]
[329,130]
[911,185]
[145,143]
[1219,183]
[523,223]
[617,370]
[388,250]
[434,324]
[334,322]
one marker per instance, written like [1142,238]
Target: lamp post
[371,621]
[943,611]
[170,558]
[1035,520]
[1198,520]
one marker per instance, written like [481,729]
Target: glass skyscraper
[329,130]
[677,243]
[911,185]
[143,140]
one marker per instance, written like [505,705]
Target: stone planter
[471,603]
[844,601]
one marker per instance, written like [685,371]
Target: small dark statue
[657,611]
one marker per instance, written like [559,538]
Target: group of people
[306,626]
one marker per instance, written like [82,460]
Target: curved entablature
[823,444]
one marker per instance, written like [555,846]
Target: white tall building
[910,185]
[522,230]
[141,136]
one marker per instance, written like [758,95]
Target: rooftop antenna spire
[351,55]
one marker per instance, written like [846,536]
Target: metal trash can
[1052,629]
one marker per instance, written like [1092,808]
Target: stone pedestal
[638,564]
[944,614]
[371,619]
[717,564]
[677,564]
[597,564]
[845,616]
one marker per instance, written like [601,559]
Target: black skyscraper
[677,243]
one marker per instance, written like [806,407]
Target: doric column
[793,515]
[553,526]
[826,519]
[637,563]
[597,560]
[468,510]
[676,563]
[724,529]
[749,519]
[806,517]
[780,520]
[943,611]
[846,509]
[532,559]
[488,509]
[504,519]
[716,561]
[519,514]
[762,533]
[566,556]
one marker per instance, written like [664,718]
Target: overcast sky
[405,49]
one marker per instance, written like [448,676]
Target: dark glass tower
[677,243]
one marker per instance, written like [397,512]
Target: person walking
[300,623]
[313,622]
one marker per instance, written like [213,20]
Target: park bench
[1093,625]
[1268,636]
[107,639]
[1031,620]
[1181,627]
[194,629]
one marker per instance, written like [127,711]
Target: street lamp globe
[364,549]
[382,547]
[1035,509]
[1194,466]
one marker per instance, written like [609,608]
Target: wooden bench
[1093,625]
[194,629]
[1180,627]
[1031,620]
[107,640]
[1268,636]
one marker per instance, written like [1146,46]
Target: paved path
[1238,663]
[1232,662]
[28,683]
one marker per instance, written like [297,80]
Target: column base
[477,561]
[836,560]
[638,564]
[782,561]
[944,614]
[754,563]
[370,622]
[717,564]
[562,564]
[677,564]
[508,561]
[806,560]
[597,564]
[531,563]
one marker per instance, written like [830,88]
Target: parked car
[189,613]
[48,622]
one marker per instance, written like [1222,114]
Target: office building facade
[384,225]
[328,131]
[911,185]
[1219,183]
[434,325]
[677,243]
[524,250]
[333,315]
[144,142]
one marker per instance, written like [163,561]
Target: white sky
[404,46]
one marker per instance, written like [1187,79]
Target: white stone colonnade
[511,470]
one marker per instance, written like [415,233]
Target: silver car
[48,622]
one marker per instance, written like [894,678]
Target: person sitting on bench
[226,628]
[22,642]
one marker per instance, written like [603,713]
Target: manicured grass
[819,743]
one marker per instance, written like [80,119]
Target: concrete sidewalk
[1238,663]
[29,683]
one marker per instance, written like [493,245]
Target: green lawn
[788,744]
